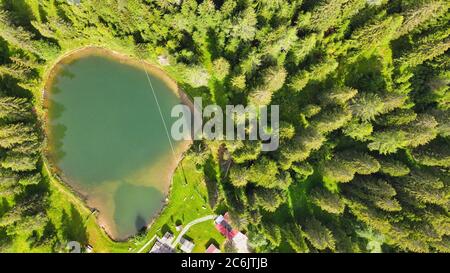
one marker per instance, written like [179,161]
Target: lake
[106,138]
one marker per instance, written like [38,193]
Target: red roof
[212,249]
[226,230]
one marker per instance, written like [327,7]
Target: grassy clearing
[64,201]
[187,202]
[72,219]
[203,235]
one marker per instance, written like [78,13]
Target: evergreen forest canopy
[363,89]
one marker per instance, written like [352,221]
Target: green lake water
[108,141]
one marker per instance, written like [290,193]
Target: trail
[181,234]
[146,245]
[188,226]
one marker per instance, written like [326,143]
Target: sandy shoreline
[118,57]
[181,147]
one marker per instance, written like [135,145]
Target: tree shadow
[49,231]
[165,229]
[73,226]
[212,241]
[211,182]
[4,206]
[5,240]
[188,238]
[140,223]
[48,237]
[366,75]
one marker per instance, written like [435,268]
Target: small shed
[167,238]
[240,242]
[212,249]
[186,245]
[163,60]
[219,219]
[160,247]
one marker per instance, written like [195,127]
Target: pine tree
[377,33]
[388,141]
[263,172]
[9,185]
[327,201]
[338,95]
[358,130]
[331,119]
[12,134]
[420,12]
[344,166]
[329,13]
[422,130]
[244,25]
[443,119]
[30,179]
[299,148]
[380,193]
[422,187]
[318,234]
[436,153]
[427,48]
[272,233]
[268,199]
[19,162]
[14,109]
[303,48]
[397,117]
[295,237]
[239,176]
[393,167]
[273,80]
[322,70]
[367,106]
[250,150]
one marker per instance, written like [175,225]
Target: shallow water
[107,138]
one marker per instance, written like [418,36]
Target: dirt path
[188,226]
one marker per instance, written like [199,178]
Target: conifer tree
[318,234]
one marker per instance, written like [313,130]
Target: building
[162,245]
[159,247]
[225,228]
[212,249]
[186,245]
[163,60]
[239,240]
[167,238]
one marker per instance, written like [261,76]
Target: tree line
[363,94]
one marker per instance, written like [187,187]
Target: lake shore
[89,202]
[75,54]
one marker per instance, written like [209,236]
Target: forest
[363,89]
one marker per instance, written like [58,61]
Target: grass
[73,220]
[187,202]
[203,235]
[63,200]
